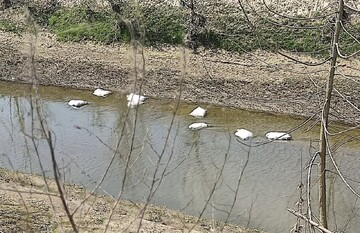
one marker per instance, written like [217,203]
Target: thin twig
[304,63]
[338,169]
[308,191]
[241,174]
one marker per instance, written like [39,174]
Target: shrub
[79,23]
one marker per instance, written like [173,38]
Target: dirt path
[258,81]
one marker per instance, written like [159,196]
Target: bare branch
[154,187]
[348,101]
[346,177]
[214,186]
[308,189]
[57,180]
[31,192]
[238,185]
[282,24]
[305,63]
[349,77]
[228,62]
[337,168]
[317,225]
[246,15]
[293,18]
[346,56]
[352,8]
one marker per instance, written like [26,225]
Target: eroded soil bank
[259,81]
[26,207]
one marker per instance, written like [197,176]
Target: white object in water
[135,98]
[133,103]
[278,136]
[198,112]
[197,126]
[101,92]
[244,134]
[77,103]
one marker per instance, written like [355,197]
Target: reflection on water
[191,161]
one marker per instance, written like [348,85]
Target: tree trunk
[325,117]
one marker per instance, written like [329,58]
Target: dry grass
[25,206]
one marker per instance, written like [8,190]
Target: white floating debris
[135,99]
[278,136]
[77,103]
[133,104]
[198,112]
[101,92]
[244,134]
[197,126]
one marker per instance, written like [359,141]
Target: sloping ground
[25,207]
[258,81]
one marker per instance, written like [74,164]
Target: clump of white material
[244,134]
[199,125]
[198,112]
[278,136]
[101,92]
[135,99]
[77,103]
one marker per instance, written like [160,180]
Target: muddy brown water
[85,139]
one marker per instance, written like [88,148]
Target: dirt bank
[26,207]
[258,81]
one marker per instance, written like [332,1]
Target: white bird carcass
[133,103]
[101,92]
[278,136]
[77,103]
[135,99]
[197,126]
[244,134]
[198,112]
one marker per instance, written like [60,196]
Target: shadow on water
[84,139]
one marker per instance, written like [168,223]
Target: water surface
[193,164]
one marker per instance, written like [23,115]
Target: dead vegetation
[26,207]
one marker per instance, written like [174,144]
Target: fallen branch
[228,62]
[317,225]
[31,192]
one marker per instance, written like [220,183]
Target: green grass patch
[164,26]
[268,37]
[273,37]
[8,26]
[79,23]
[168,25]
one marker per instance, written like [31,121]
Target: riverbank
[26,207]
[259,81]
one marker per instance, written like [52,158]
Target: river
[193,165]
